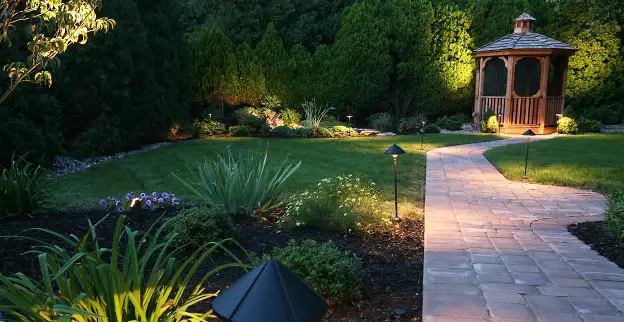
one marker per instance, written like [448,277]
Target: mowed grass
[594,162]
[152,170]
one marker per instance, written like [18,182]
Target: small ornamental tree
[54,26]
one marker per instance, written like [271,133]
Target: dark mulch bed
[593,234]
[392,261]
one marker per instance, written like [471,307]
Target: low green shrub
[302,132]
[606,114]
[567,125]
[380,121]
[344,203]
[449,123]
[289,116]
[491,126]
[614,217]
[193,128]
[432,128]
[194,227]
[462,118]
[137,278]
[210,127]
[330,121]
[322,132]
[589,126]
[282,132]
[334,274]
[244,184]
[409,125]
[343,131]
[23,188]
[251,118]
[239,130]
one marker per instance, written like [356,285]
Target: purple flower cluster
[151,201]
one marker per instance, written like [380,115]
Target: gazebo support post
[477,103]
[565,84]
[544,92]
[510,63]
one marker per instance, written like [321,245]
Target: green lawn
[593,162]
[151,171]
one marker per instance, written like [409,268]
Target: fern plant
[314,114]
[244,184]
[23,188]
[137,279]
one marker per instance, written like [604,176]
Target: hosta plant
[23,188]
[246,184]
[138,278]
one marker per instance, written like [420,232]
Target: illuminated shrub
[251,118]
[334,274]
[239,130]
[567,125]
[491,125]
[322,132]
[289,116]
[195,227]
[344,203]
[210,127]
[589,126]
[343,131]
[614,217]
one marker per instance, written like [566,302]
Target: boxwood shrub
[567,125]
[239,130]
[195,227]
[333,273]
[589,126]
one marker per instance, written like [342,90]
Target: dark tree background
[167,61]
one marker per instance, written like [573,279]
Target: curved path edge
[498,250]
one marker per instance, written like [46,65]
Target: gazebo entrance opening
[521,78]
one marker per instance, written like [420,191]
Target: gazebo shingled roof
[521,79]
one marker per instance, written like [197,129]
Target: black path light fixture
[528,133]
[498,121]
[422,135]
[270,293]
[349,117]
[394,151]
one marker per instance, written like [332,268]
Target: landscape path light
[422,135]
[270,293]
[349,117]
[500,118]
[528,133]
[394,151]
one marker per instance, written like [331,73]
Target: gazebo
[522,78]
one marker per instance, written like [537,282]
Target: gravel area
[64,165]
[613,128]
[467,128]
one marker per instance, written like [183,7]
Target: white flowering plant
[345,203]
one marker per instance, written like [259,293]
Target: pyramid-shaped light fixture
[528,133]
[269,293]
[394,150]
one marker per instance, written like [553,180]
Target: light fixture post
[394,151]
[349,117]
[422,135]
[500,117]
[528,134]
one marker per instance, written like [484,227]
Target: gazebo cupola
[521,78]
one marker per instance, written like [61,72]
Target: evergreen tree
[301,77]
[273,59]
[251,81]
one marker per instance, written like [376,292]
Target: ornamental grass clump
[138,278]
[344,203]
[614,217]
[23,188]
[246,184]
[314,113]
[335,274]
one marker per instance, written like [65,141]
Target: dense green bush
[23,188]
[334,274]
[409,125]
[432,128]
[323,132]
[289,116]
[343,131]
[245,184]
[449,123]
[589,126]
[343,203]
[131,280]
[567,125]
[194,227]
[330,121]
[380,121]
[606,114]
[251,118]
[210,127]
[239,130]
[303,132]
[282,132]
[491,125]
[614,217]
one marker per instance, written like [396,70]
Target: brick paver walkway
[497,250]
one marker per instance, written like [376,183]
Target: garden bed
[392,261]
[593,234]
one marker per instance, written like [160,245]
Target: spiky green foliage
[137,279]
[244,184]
[23,188]
[314,113]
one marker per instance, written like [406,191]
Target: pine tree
[273,59]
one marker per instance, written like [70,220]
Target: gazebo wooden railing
[554,106]
[495,103]
[525,111]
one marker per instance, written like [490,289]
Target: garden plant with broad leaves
[54,26]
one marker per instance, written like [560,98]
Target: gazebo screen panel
[527,77]
[495,78]
[555,76]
